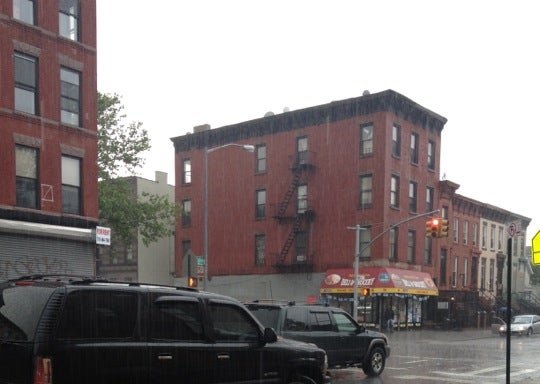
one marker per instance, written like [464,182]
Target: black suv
[345,341]
[56,330]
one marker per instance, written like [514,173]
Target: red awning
[380,280]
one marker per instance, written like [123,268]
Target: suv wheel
[301,379]
[374,364]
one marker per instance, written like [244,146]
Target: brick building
[48,137]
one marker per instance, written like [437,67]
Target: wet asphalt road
[468,356]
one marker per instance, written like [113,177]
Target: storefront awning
[380,280]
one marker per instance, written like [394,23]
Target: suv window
[321,321]
[176,320]
[344,323]
[232,324]
[268,316]
[90,314]
[20,311]
[295,319]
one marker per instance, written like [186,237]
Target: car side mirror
[269,336]
[360,329]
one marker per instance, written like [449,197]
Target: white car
[523,325]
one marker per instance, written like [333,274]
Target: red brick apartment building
[279,220]
[48,137]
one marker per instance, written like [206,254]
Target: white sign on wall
[103,236]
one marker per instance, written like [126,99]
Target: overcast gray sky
[178,64]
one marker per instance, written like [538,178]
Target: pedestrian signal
[192,282]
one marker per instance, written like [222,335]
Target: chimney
[201,128]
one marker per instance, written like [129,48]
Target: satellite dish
[365,93]
[269,113]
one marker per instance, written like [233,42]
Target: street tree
[121,147]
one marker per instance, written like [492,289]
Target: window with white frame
[483,273]
[484,235]
[366,191]
[414,148]
[70,96]
[392,246]
[465,272]
[366,140]
[454,272]
[394,191]
[465,235]
[428,249]
[413,196]
[475,234]
[186,213]
[186,171]
[260,204]
[68,19]
[442,269]
[260,247]
[24,10]
[365,242]
[492,237]
[430,193]
[500,238]
[431,155]
[260,155]
[302,198]
[396,140]
[71,185]
[302,150]
[301,247]
[491,274]
[26,170]
[26,83]
[411,246]
[455,230]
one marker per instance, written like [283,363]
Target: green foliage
[120,149]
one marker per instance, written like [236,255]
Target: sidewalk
[450,335]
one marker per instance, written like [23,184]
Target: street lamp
[245,147]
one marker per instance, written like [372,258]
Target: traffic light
[433,227]
[443,228]
[192,282]
[365,292]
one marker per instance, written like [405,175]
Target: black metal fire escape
[300,220]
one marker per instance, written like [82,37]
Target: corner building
[278,219]
[48,137]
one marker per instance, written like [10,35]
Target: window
[413,199]
[483,273]
[474,234]
[321,322]
[500,238]
[392,246]
[176,320]
[492,237]
[295,320]
[26,165]
[431,155]
[414,148]
[302,202]
[301,247]
[366,191]
[260,206]
[260,153]
[232,324]
[444,212]
[365,240]
[394,191]
[484,235]
[186,171]
[344,323]
[302,150]
[443,266]
[430,193]
[465,271]
[411,246]
[465,235]
[454,272]
[260,246]
[71,185]
[186,247]
[92,314]
[396,140]
[186,213]
[491,274]
[366,140]
[70,98]
[455,230]
[428,245]
[68,19]
[26,83]
[23,10]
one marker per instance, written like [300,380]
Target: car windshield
[268,316]
[521,320]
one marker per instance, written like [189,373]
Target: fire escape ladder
[292,187]
[290,239]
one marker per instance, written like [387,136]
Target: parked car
[496,324]
[345,341]
[522,325]
[59,330]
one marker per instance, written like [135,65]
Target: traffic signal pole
[359,251]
